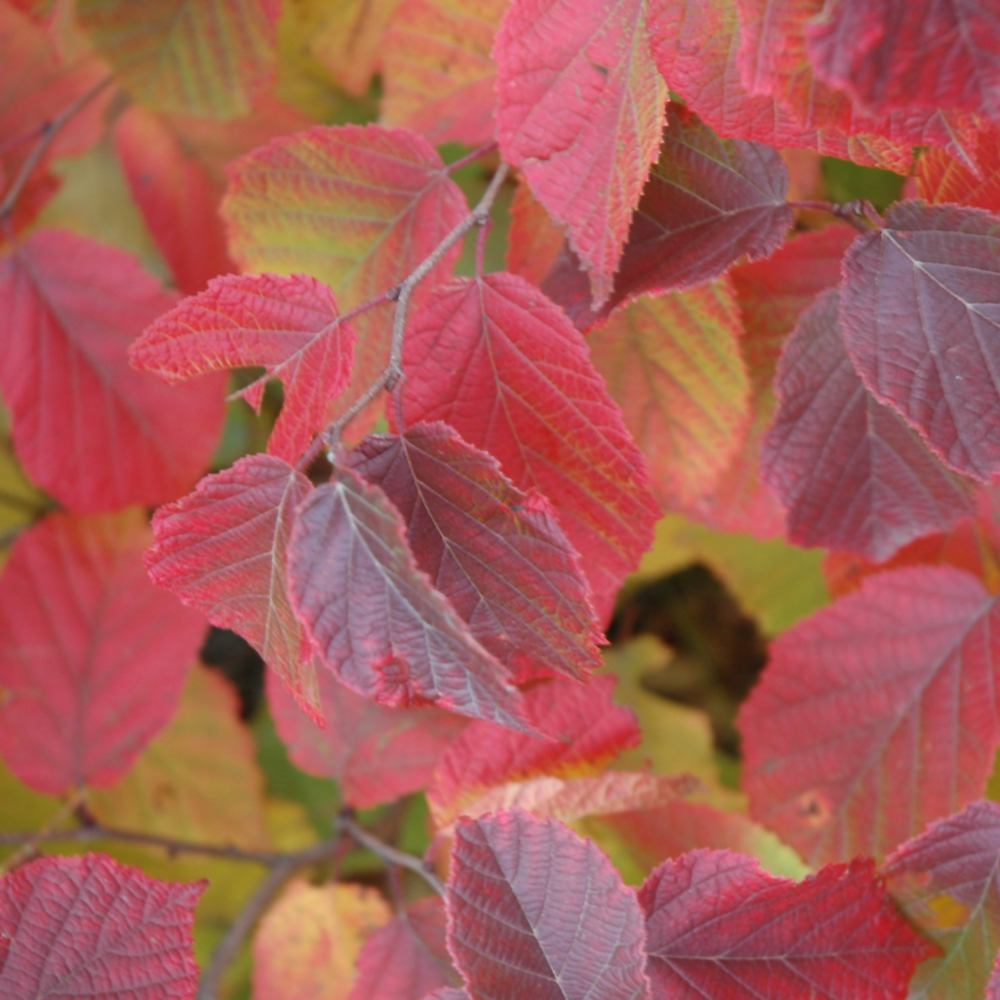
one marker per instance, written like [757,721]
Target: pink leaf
[375,753]
[876,715]
[224,550]
[89,429]
[290,325]
[375,619]
[906,54]
[720,926]
[89,927]
[580,111]
[921,316]
[584,730]
[502,364]
[497,554]
[535,911]
[408,957]
[947,884]
[93,657]
[851,473]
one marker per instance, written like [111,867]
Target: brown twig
[48,134]
[390,854]
[402,294]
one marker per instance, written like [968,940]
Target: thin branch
[476,154]
[402,294]
[239,930]
[48,134]
[84,834]
[390,854]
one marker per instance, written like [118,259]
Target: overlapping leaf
[185,55]
[771,295]
[89,926]
[719,925]
[534,241]
[347,37]
[773,60]
[497,554]
[437,72]
[88,429]
[535,911]
[920,311]
[876,715]
[37,85]
[571,799]
[942,178]
[374,617]
[696,46]
[375,753]
[174,165]
[946,883]
[308,942]
[358,208]
[198,780]
[580,111]
[92,656]
[673,364]
[900,54]
[224,550]
[290,325]
[582,728]
[501,364]
[852,474]
[674,828]
[408,957]
[708,201]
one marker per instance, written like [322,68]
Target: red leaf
[946,884]
[374,617]
[408,957]
[580,111]
[90,927]
[535,911]
[502,364]
[942,178]
[906,54]
[584,730]
[771,294]
[290,325]
[497,554]
[534,241]
[93,657]
[375,753]
[852,474]
[708,201]
[206,59]
[89,429]
[674,365]
[720,926]
[876,715]
[773,60]
[224,550]
[35,87]
[437,72]
[921,320]
[175,169]
[355,207]
[696,47]
[774,293]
